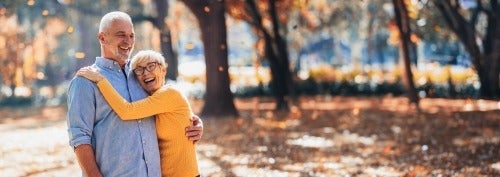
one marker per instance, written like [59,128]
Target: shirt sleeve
[163,100]
[81,111]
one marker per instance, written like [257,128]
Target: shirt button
[143,142]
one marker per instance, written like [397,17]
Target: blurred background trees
[269,19]
[475,23]
[246,48]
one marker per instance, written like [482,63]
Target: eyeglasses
[150,67]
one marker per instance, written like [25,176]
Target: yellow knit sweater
[172,111]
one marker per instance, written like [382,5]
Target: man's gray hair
[113,16]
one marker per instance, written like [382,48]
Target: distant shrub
[430,81]
[16,101]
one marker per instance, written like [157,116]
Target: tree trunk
[276,52]
[166,39]
[12,67]
[403,23]
[212,22]
[278,82]
[491,56]
[486,60]
[86,44]
[283,59]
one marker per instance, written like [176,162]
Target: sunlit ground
[323,136]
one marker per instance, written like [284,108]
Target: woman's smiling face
[150,74]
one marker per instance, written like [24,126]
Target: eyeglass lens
[150,67]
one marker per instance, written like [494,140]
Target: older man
[104,144]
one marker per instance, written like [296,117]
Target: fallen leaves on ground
[321,136]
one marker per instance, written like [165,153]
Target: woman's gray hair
[148,55]
[107,19]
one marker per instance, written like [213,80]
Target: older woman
[170,107]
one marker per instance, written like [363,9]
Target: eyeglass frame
[150,67]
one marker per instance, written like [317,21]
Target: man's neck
[121,63]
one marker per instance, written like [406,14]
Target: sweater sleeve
[163,100]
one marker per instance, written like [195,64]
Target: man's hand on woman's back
[195,131]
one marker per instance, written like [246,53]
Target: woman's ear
[166,67]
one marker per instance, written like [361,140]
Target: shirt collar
[108,63]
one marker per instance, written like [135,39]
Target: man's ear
[100,37]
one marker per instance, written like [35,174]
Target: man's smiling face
[118,41]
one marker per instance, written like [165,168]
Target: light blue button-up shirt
[122,148]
